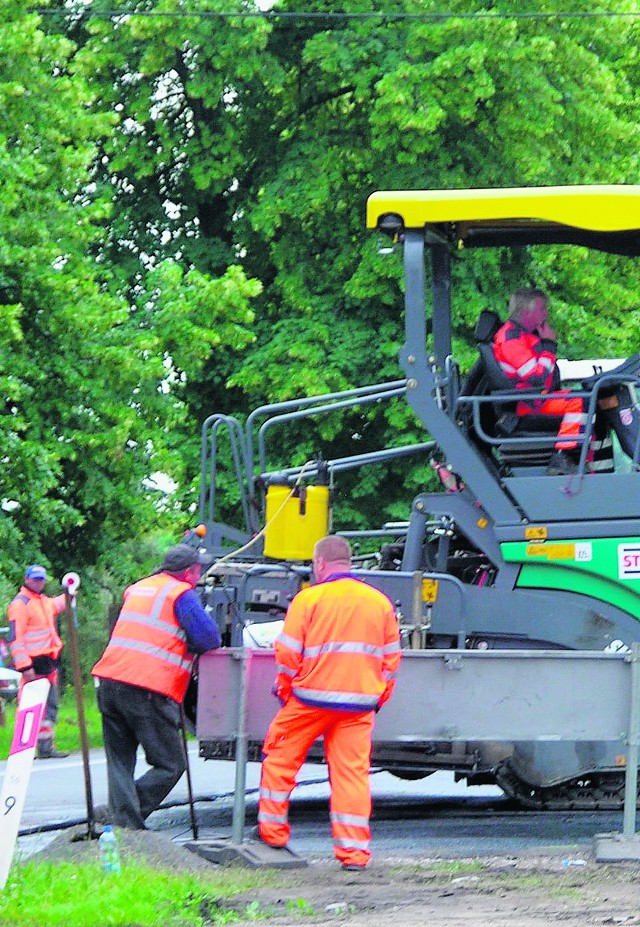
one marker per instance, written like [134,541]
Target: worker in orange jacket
[525,348]
[143,676]
[337,659]
[36,647]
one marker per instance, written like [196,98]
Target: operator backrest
[487,327]
[482,378]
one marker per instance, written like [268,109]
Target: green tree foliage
[94,374]
[257,140]
[57,352]
[243,150]
[454,103]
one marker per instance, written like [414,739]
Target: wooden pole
[71,582]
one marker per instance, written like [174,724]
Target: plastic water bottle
[109,855]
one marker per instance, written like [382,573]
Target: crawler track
[597,792]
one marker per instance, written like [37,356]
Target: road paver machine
[504,556]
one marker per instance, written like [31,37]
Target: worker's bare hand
[29,675]
[545,331]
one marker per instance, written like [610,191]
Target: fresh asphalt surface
[433,817]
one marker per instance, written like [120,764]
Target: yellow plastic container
[297,522]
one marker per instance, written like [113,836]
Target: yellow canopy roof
[601,208]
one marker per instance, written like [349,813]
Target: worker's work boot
[254,834]
[46,751]
[102,814]
[562,463]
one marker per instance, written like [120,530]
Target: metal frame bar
[448,668]
[358,460]
[318,410]
[208,474]
[308,401]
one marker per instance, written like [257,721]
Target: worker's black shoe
[101,814]
[50,753]
[353,867]
[254,834]
[562,463]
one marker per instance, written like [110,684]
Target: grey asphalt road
[434,816]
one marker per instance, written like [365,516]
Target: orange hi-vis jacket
[339,647]
[33,629]
[148,647]
[525,357]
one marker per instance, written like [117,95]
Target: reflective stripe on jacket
[339,647]
[524,357]
[33,629]
[148,647]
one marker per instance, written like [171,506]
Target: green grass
[81,895]
[439,872]
[67,730]
[301,907]
[456,866]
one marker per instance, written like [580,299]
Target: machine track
[592,792]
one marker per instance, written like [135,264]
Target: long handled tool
[192,810]
[71,582]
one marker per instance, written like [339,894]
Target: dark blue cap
[35,571]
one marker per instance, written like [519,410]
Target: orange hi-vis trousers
[347,746]
[572,410]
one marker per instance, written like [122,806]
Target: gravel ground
[529,889]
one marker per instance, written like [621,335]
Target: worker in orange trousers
[337,659]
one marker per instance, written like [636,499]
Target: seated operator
[525,348]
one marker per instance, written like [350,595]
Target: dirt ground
[527,890]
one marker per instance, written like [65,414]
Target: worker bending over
[143,677]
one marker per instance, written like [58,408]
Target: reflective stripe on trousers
[572,424]
[347,745]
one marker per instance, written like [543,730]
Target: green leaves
[190,314]
[182,227]
[94,372]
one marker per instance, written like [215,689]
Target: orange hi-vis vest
[34,629]
[339,647]
[148,647]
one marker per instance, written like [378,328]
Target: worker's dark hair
[523,300]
